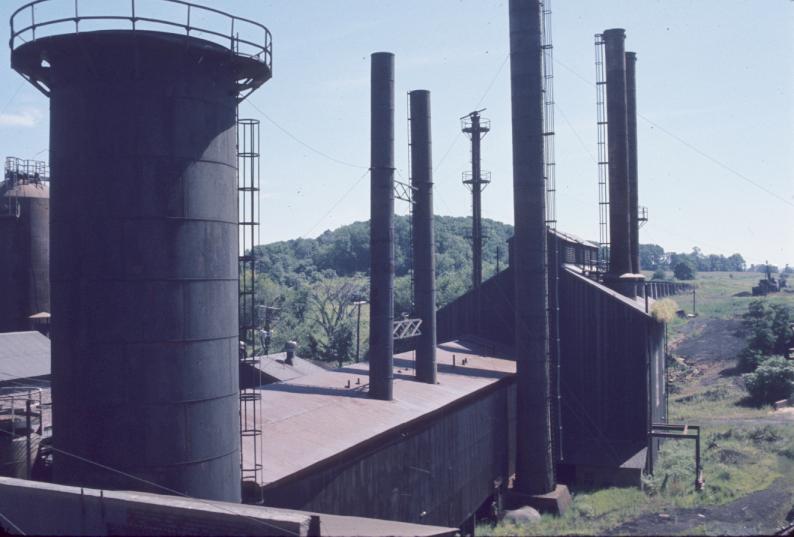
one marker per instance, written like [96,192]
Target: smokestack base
[555,502]
[627,284]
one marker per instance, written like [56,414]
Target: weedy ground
[747,452]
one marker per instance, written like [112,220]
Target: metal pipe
[631,125]
[534,459]
[423,237]
[381,294]
[28,447]
[617,137]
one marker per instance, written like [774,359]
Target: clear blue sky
[715,92]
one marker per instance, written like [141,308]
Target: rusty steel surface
[381,292]
[534,458]
[424,255]
[144,251]
[314,418]
[617,137]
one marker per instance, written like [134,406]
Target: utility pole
[358,304]
[476,180]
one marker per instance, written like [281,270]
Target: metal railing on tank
[23,171]
[243,37]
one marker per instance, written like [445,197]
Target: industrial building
[165,418]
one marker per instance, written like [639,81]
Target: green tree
[652,256]
[684,271]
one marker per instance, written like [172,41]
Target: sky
[715,83]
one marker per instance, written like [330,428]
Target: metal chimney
[631,123]
[534,459]
[381,293]
[290,349]
[423,237]
[620,267]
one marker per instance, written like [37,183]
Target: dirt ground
[754,514]
[709,348]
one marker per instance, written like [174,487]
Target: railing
[24,171]
[25,27]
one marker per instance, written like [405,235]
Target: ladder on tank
[603,155]
[248,174]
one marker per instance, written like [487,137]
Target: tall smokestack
[631,124]
[381,293]
[423,239]
[534,460]
[617,139]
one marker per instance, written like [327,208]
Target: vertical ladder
[550,167]
[603,156]
[548,117]
[410,254]
[248,233]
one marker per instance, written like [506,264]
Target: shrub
[772,381]
[659,274]
[767,326]
[664,310]
[749,360]
[683,271]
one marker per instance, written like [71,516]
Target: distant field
[748,452]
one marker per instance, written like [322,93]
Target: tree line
[312,285]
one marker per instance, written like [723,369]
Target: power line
[13,96]
[12,524]
[336,204]
[216,505]
[689,145]
[717,162]
[301,142]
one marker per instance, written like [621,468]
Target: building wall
[436,471]
[611,352]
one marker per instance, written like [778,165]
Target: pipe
[381,293]
[617,138]
[290,350]
[534,459]
[631,124]
[423,237]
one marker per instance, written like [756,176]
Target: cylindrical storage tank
[144,258]
[24,253]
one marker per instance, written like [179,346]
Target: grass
[738,459]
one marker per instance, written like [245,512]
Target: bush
[749,360]
[767,327]
[683,271]
[664,310]
[659,274]
[772,381]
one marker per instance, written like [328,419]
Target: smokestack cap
[615,32]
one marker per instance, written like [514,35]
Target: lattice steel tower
[476,180]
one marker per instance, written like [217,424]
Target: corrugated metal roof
[24,355]
[311,419]
[274,365]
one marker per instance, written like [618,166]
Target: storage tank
[144,241]
[24,243]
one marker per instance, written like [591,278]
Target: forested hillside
[314,282]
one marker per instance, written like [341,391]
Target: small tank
[24,243]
